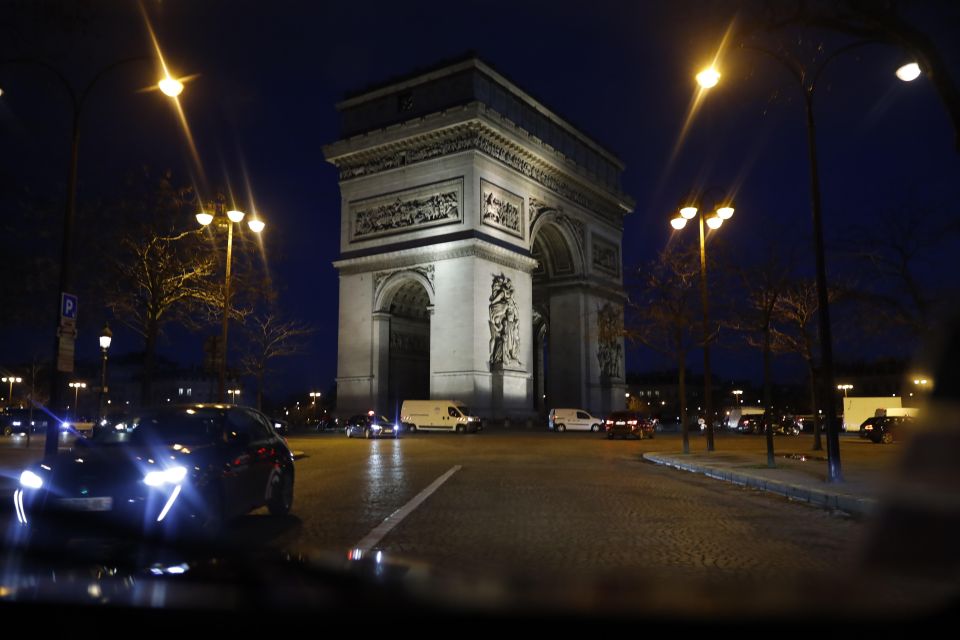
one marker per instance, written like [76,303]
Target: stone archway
[403,309]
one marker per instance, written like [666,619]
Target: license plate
[87,504]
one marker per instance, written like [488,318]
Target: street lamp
[106,336]
[739,394]
[234,393]
[692,208]
[226,219]
[11,380]
[844,388]
[66,333]
[76,386]
[807,77]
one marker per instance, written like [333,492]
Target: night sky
[268,75]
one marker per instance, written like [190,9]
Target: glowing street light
[844,388]
[708,78]
[106,337]
[234,393]
[226,219]
[739,394]
[76,386]
[909,72]
[170,87]
[691,208]
[11,380]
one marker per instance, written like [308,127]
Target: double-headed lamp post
[11,380]
[690,209]
[233,393]
[106,337]
[844,388]
[226,219]
[739,394]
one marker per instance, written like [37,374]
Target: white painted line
[397,516]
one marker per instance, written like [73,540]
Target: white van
[574,420]
[438,415]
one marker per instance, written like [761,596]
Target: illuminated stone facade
[480,250]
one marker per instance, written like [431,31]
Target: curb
[816,497]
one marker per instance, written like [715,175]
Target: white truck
[856,410]
[438,415]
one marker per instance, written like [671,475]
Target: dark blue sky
[270,73]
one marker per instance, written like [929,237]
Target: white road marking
[397,516]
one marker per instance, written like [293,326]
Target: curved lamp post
[224,218]
[692,208]
[807,77]
[78,99]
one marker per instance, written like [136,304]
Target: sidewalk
[800,473]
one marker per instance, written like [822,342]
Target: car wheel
[887,438]
[561,428]
[413,428]
[349,432]
[367,434]
[460,428]
[8,430]
[281,494]
[595,428]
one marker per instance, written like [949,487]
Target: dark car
[866,427]
[282,427]
[169,471]
[370,425]
[628,423]
[16,421]
[887,429]
[781,425]
[323,422]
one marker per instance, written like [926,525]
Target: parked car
[170,470]
[888,429]
[628,423]
[439,415]
[782,424]
[561,420]
[370,425]
[866,427]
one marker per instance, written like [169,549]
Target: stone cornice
[474,127]
[436,253]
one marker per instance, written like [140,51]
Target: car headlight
[171,475]
[30,480]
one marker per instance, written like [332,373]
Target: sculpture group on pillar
[609,330]
[504,324]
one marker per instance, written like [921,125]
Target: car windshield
[184,426]
[573,250]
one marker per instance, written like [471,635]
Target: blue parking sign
[68,306]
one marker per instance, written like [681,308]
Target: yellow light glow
[256,225]
[204,218]
[689,212]
[909,72]
[714,222]
[171,87]
[678,223]
[235,216]
[708,78]
[725,213]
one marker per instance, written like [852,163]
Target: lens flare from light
[909,72]
[31,480]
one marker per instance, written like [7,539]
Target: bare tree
[764,284]
[794,331]
[662,310]
[269,338]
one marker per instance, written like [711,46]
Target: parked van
[438,415]
[573,419]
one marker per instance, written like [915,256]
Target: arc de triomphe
[480,251]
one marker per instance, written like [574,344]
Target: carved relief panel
[422,207]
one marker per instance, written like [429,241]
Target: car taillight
[631,422]
[609,421]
